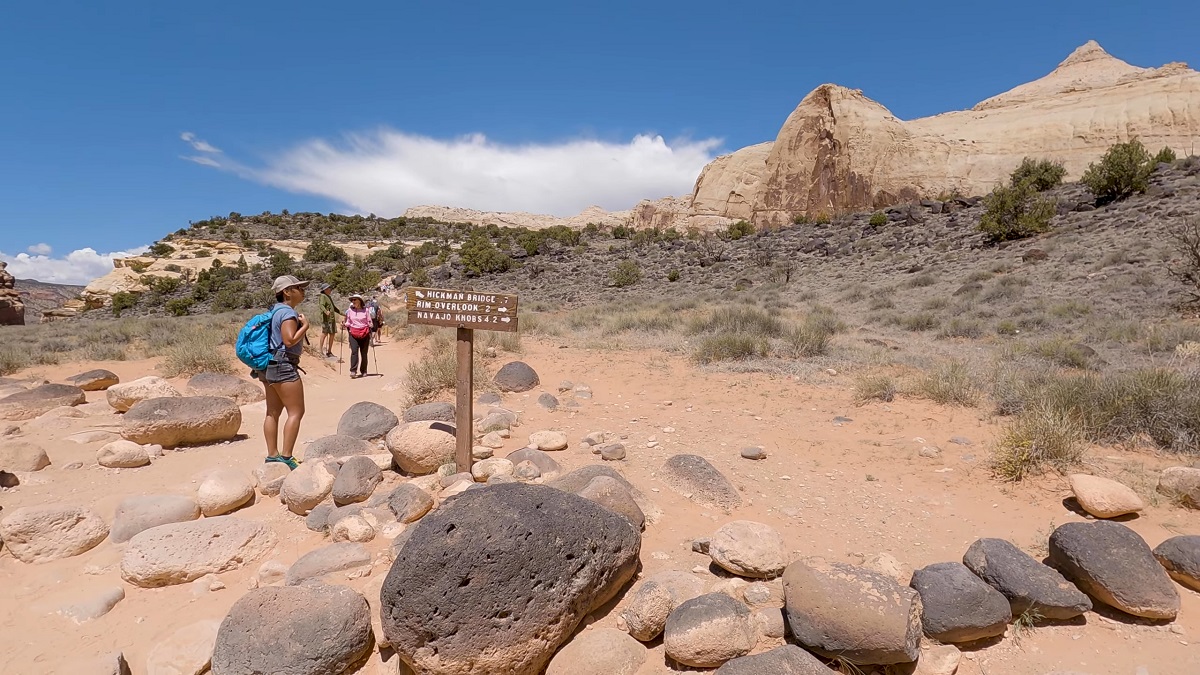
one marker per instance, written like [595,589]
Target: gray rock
[785,660]
[1113,565]
[599,651]
[462,597]
[22,456]
[28,404]
[579,478]
[957,605]
[242,391]
[338,446]
[748,549]
[367,421]
[138,514]
[1180,556]
[707,631]
[754,452]
[693,475]
[651,602]
[317,520]
[612,452]
[434,412]
[548,401]
[701,545]
[356,480]
[447,481]
[549,468]
[295,630]
[526,471]
[327,560]
[1027,583]
[488,399]
[410,502]
[179,421]
[269,478]
[516,376]
[838,610]
[94,380]
[612,495]
[177,553]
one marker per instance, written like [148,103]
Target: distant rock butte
[533,221]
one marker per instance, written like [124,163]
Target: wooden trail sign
[467,311]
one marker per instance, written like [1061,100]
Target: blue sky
[360,106]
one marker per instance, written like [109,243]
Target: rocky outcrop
[533,221]
[12,308]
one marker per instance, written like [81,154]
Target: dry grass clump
[738,320]
[1066,353]
[874,387]
[961,328]
[436,371]
[1041,435]
[951,383]
[921,321]
[509,342]
[12,359]
[729,347]
[199,353]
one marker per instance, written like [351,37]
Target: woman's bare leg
[292,395]
[271,421]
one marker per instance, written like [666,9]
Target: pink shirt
[358,319]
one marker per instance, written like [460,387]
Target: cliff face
[12,309]
[840,151]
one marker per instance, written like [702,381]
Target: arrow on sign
[505,319]
[502,309]
[419,294]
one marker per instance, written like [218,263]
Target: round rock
[243,392]
[431,412]
[124,396]
[1104,498]
[30,403]
[181,552]
[754,452]
[294,630]
[1113,565]
[140,513]
[353,528]
[356,480]
[693,475]
[337,557]
[367,421]
[548,468]
[957,605]
[94,380]
[748,549]
[785,660]
[1027,583]
[409,502]
[548,441]
[707,631]
[122,455]
[600,651]
[419,448]
[306,487]
[496,466]
[516,376]
[172,422]
[1180,556]
[38,534]
[22,456]
[614,496]
[224,490]
[269,477]
[337,447]
[1181,483]
[651,602]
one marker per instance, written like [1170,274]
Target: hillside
[40,296]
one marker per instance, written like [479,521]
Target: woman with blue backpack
[286,334]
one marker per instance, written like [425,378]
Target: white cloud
[197,144]
[40,249]
[388,171]
[77,267]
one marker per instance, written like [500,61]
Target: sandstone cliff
[12,310]
[533,221]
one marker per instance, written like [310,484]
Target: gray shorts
[278,373]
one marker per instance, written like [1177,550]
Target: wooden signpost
[467,311]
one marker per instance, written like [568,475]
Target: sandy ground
[839,490]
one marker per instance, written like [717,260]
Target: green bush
[1015,212]
[1041,174]
[673,275]
[740,229]
[627,274]
[122,301]
[281,263]
[161,250]
[1124,170]
[320,251]
[172,267]
[878,218]
[179,306]
[729,347]
[420,277]
[480,256]
[1165,156]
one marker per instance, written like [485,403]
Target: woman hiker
[281,379]
[358,329]
[329,314]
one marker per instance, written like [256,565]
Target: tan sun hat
[287,281]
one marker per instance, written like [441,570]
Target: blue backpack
[254,341]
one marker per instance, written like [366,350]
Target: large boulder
[1181,483]
[38,534]
[367,421]
[294,630]
[839,610]
[1180,556]
[356,480]
[1111,563]
[547,466]
[124,396]
[613,495]
[653,600]
[431,412]
[548,440]
[497,578]
[187,651]
[707,631]
[1104,497]
[28,404]
[172,422]
[22,456]
[600,651]
[575,481]
[748,549]
[957,605]
[140,513]
[1029,585]
[516,376]
[181,552]
[307,486]
[338,447]
[421,447]
[222,490]
[94,380]
[242,391]
[693,475]
[123,454]
[409,502]
[785,660]
[336,557]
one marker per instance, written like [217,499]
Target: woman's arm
[292,334]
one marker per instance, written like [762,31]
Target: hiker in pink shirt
[358,328]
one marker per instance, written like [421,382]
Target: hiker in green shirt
[329,314]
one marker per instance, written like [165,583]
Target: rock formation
[12,309]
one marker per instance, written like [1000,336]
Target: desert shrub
[480,256]
[436,370]
[1167,338]
[822,218]
[874,387]
[420,277]
[878,218]
[627,273]
[1124,170]
[881,302]
[179,306]
[172,267]
[509,342]
[673,275]
[1041,435]
[810,338]
[320,251]
[1041,174]
[197,353]
[281,263]
[202,253]
[13,358]
[1185,240]
[1015,212]
[59,345]
[1066,353]
[921,321]
[1165,156]
[922,280]
[106,351]
[649,321]
[961,328]
[739,229]
[950,383]
[1006,327]
[161,250]
[122,301]
[746,320]
[729,347]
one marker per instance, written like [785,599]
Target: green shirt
[328,310]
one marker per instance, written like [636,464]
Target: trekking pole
[375,353]
[340,343]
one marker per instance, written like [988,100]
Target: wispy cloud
[197,144]
[40,249]
[388,171]
[77,267]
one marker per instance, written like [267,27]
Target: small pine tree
[480,256]
[1124,170]
[1165,156]
[627,274]
[1015,212]
[1042,174]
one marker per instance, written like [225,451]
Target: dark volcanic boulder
[175,421]
[785,660]
[495,580]
[1180,556]
[430,412]
[294,630]
[958,606]
[1027,583]
[516,376]
[693,475]
[367,421]
[1111,563]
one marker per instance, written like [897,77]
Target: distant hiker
[281,379]
[329,315]
[376,319]
[358,329]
